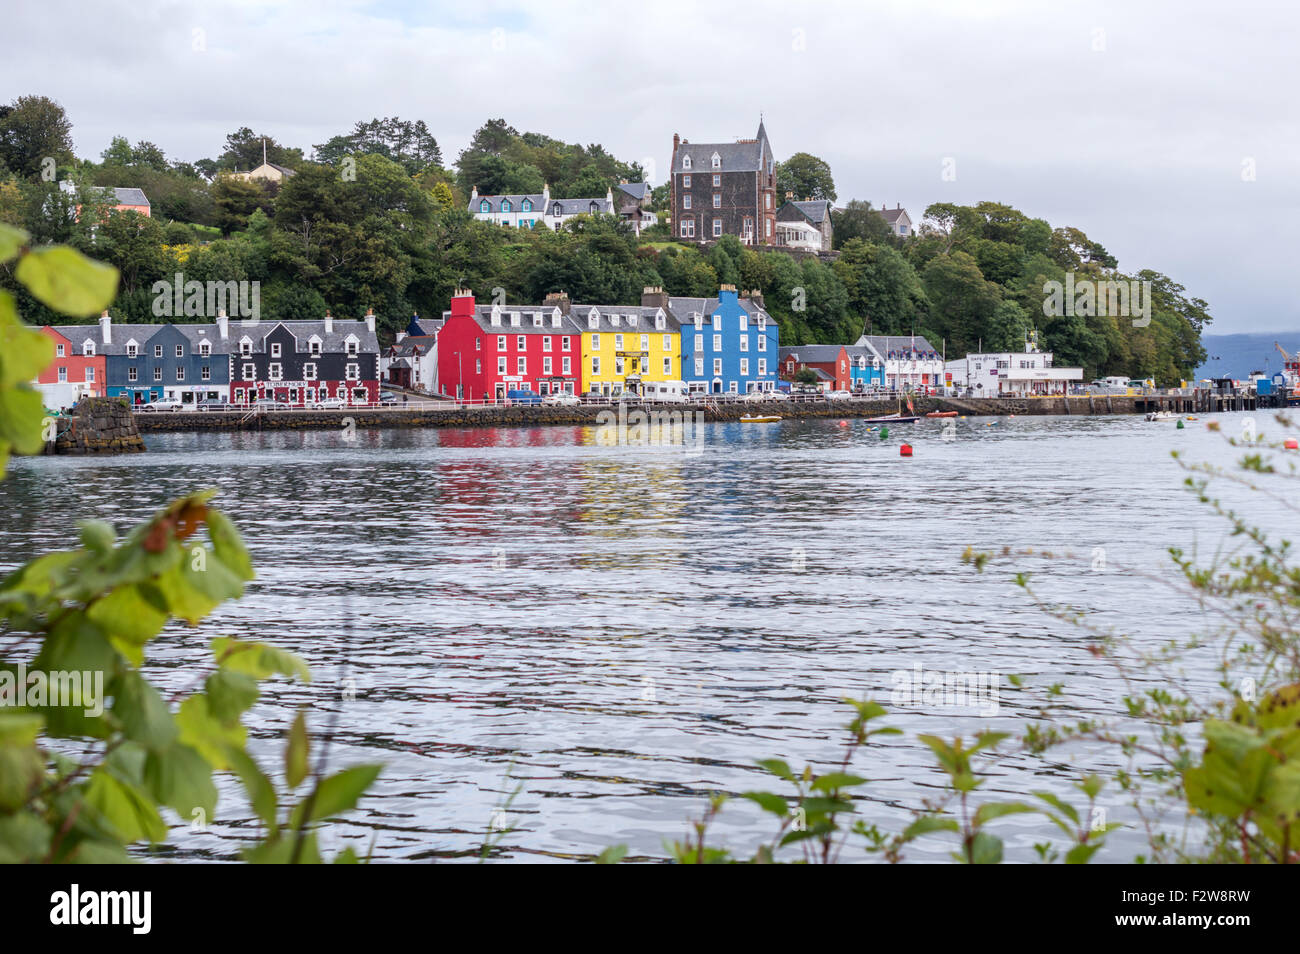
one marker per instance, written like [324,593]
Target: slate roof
[893,215]
[645,319]
[516,202]
[685,308]
[130,196]
[414,344]
[815,211]
[483,314]
[578,206]
[747,155]
[884,344]
[813,353]
[367,341]
[426,327]
[120,334]
[637,190]
[863,351]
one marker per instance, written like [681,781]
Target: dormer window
[275,349]
[555,209]
[659,321]
[555,320]
[593,208]
[631,320]
[614,320]
[686,162]
[352,347]
[496,318]
[514,319]
[485,206]
[699,321]
[245,347]
[205,348]
[716,161]
[526,206]
[537,319]
[132,350]
[593,320]
[88,349]
[313,346]
[505,205]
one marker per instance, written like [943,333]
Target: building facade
[626,347]
[866,368]
[1009,374]
[486,351]
[898,220]
[729,345]
[832,360]
[724,189]
[805,226]
[301,362]
[76,371]
[909,361]
[537,210]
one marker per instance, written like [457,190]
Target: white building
[537,209]
[1010,374]
[910,361]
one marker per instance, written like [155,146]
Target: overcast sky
[1165,130]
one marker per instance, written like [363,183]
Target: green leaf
[259,660]
[123,808]
[67,281]
[296,752]
[778,768]
[991,810]
[23,838]
[11,241]
[929,823]
[261,793]
[1065,808]
[144,715]
[131,616]
[181,778]
[228,546]
[834,780]
[334,795]
[1082,854]
[612,855]
[986,849]
[212,737]
[769,802]
[230,694]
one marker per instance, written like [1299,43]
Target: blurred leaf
[64,280]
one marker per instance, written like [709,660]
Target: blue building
[730,345]
[146,362]
[866,367]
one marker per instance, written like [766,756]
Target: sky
[1167,131]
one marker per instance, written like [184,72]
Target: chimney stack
[223,324]
[558,300]
[370,320]
[106,327]
[400,336]
[329,322]
[653,296]
[756,296]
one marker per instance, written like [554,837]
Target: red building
[487,351]
[85,369]
[831,360]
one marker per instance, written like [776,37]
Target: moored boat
[942,414]
[891,419]
[1161,415]
[760,419]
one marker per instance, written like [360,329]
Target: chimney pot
[106,327]
[370,320]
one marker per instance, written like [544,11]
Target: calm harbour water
[617,631]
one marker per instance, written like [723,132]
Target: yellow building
[626,346]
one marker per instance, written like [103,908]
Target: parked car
[387,397]
[212,404]
[560,400]
[754,397]
[776,395]
[330,404]
[270,404]
[523,397]
[838,395]
[162,404]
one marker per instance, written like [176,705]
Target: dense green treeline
[375,220]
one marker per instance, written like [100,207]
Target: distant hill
[1235,356]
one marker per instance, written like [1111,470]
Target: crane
[1278,346]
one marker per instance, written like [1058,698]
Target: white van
[664,392]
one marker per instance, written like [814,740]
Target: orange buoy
[844,423]
[1291,443]
[905,450]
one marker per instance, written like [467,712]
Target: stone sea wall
[533,416]
[96,426]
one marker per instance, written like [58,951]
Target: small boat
[1161,415]
[942,414]
[760,419]
[891,419]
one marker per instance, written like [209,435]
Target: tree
[244,149]
[235,199]
[883,290]
[805,177]
[33,130]
[961,301]
[858,220]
